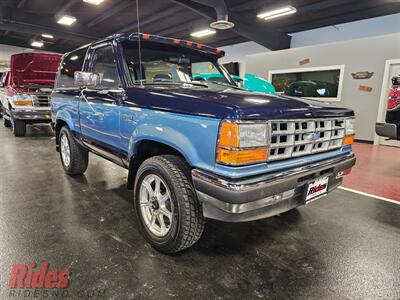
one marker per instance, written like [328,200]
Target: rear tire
[182,214]
[74,157]
[18,127]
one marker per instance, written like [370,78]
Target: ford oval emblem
[313,137]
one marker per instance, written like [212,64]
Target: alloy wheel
[156,205]
[65,150]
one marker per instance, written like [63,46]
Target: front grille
[41,100]
[302,137]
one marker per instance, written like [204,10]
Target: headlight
[349,132]
[350,126]
[22,100]
[242,144]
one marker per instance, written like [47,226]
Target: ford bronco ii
[194,149]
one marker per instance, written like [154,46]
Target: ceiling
[22,21]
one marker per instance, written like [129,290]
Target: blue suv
[194,149]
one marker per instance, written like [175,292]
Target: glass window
[104,65]
[164,64]
[311,84]
[71,63]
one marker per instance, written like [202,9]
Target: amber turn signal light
[229,135]
[241,157]
[22,103]
[348,140]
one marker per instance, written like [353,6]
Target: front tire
[18,127]
[169,215]
[6,122]
[74,157]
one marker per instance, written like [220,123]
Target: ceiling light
[272,14]
[47,36]
[202,33]
[222,25]
[94,2]
[66,20]
[75,57]
[37,44]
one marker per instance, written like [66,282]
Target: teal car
[249,82]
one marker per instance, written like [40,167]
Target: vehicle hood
[230,103]
[34,68]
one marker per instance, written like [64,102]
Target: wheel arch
[145,149]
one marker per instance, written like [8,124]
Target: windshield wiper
[226,84]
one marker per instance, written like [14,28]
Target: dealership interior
[200,149]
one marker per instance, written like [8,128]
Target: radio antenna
[139,44]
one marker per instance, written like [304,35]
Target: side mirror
[86,79]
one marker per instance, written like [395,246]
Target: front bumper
[388,130]
[33,115]
[264,196]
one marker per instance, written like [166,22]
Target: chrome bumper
[33,115]
[263,196]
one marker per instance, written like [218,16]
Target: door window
[71,63]
[104,65]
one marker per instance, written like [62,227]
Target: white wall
[367,54]
[238,52]
[6,51]
[347,31]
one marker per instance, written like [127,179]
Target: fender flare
[66,117]
[164,135]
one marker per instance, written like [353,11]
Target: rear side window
[71,63]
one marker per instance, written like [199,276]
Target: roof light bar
[66,20]
[202,33]
[272,14]
[37,44]
[94,2]
[47,36]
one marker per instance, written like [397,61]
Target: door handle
[99,114]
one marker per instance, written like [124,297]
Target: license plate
[317,189]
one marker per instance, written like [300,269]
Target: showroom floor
[344,246]
[377,171]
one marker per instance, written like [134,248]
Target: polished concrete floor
[345,246]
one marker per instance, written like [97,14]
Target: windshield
[164,64]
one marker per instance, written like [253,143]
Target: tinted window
[71,63]
[104,65]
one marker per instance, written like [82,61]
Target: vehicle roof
[158,39]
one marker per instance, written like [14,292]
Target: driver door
[100,107]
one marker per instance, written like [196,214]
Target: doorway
[392,68]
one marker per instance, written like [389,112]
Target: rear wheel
[74,157]
[18,127]
[169,215]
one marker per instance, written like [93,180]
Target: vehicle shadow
[39,131]
[218,239]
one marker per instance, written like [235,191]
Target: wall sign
[304,61]
[365,88]
[362,75]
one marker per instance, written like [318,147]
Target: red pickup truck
[25,90]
